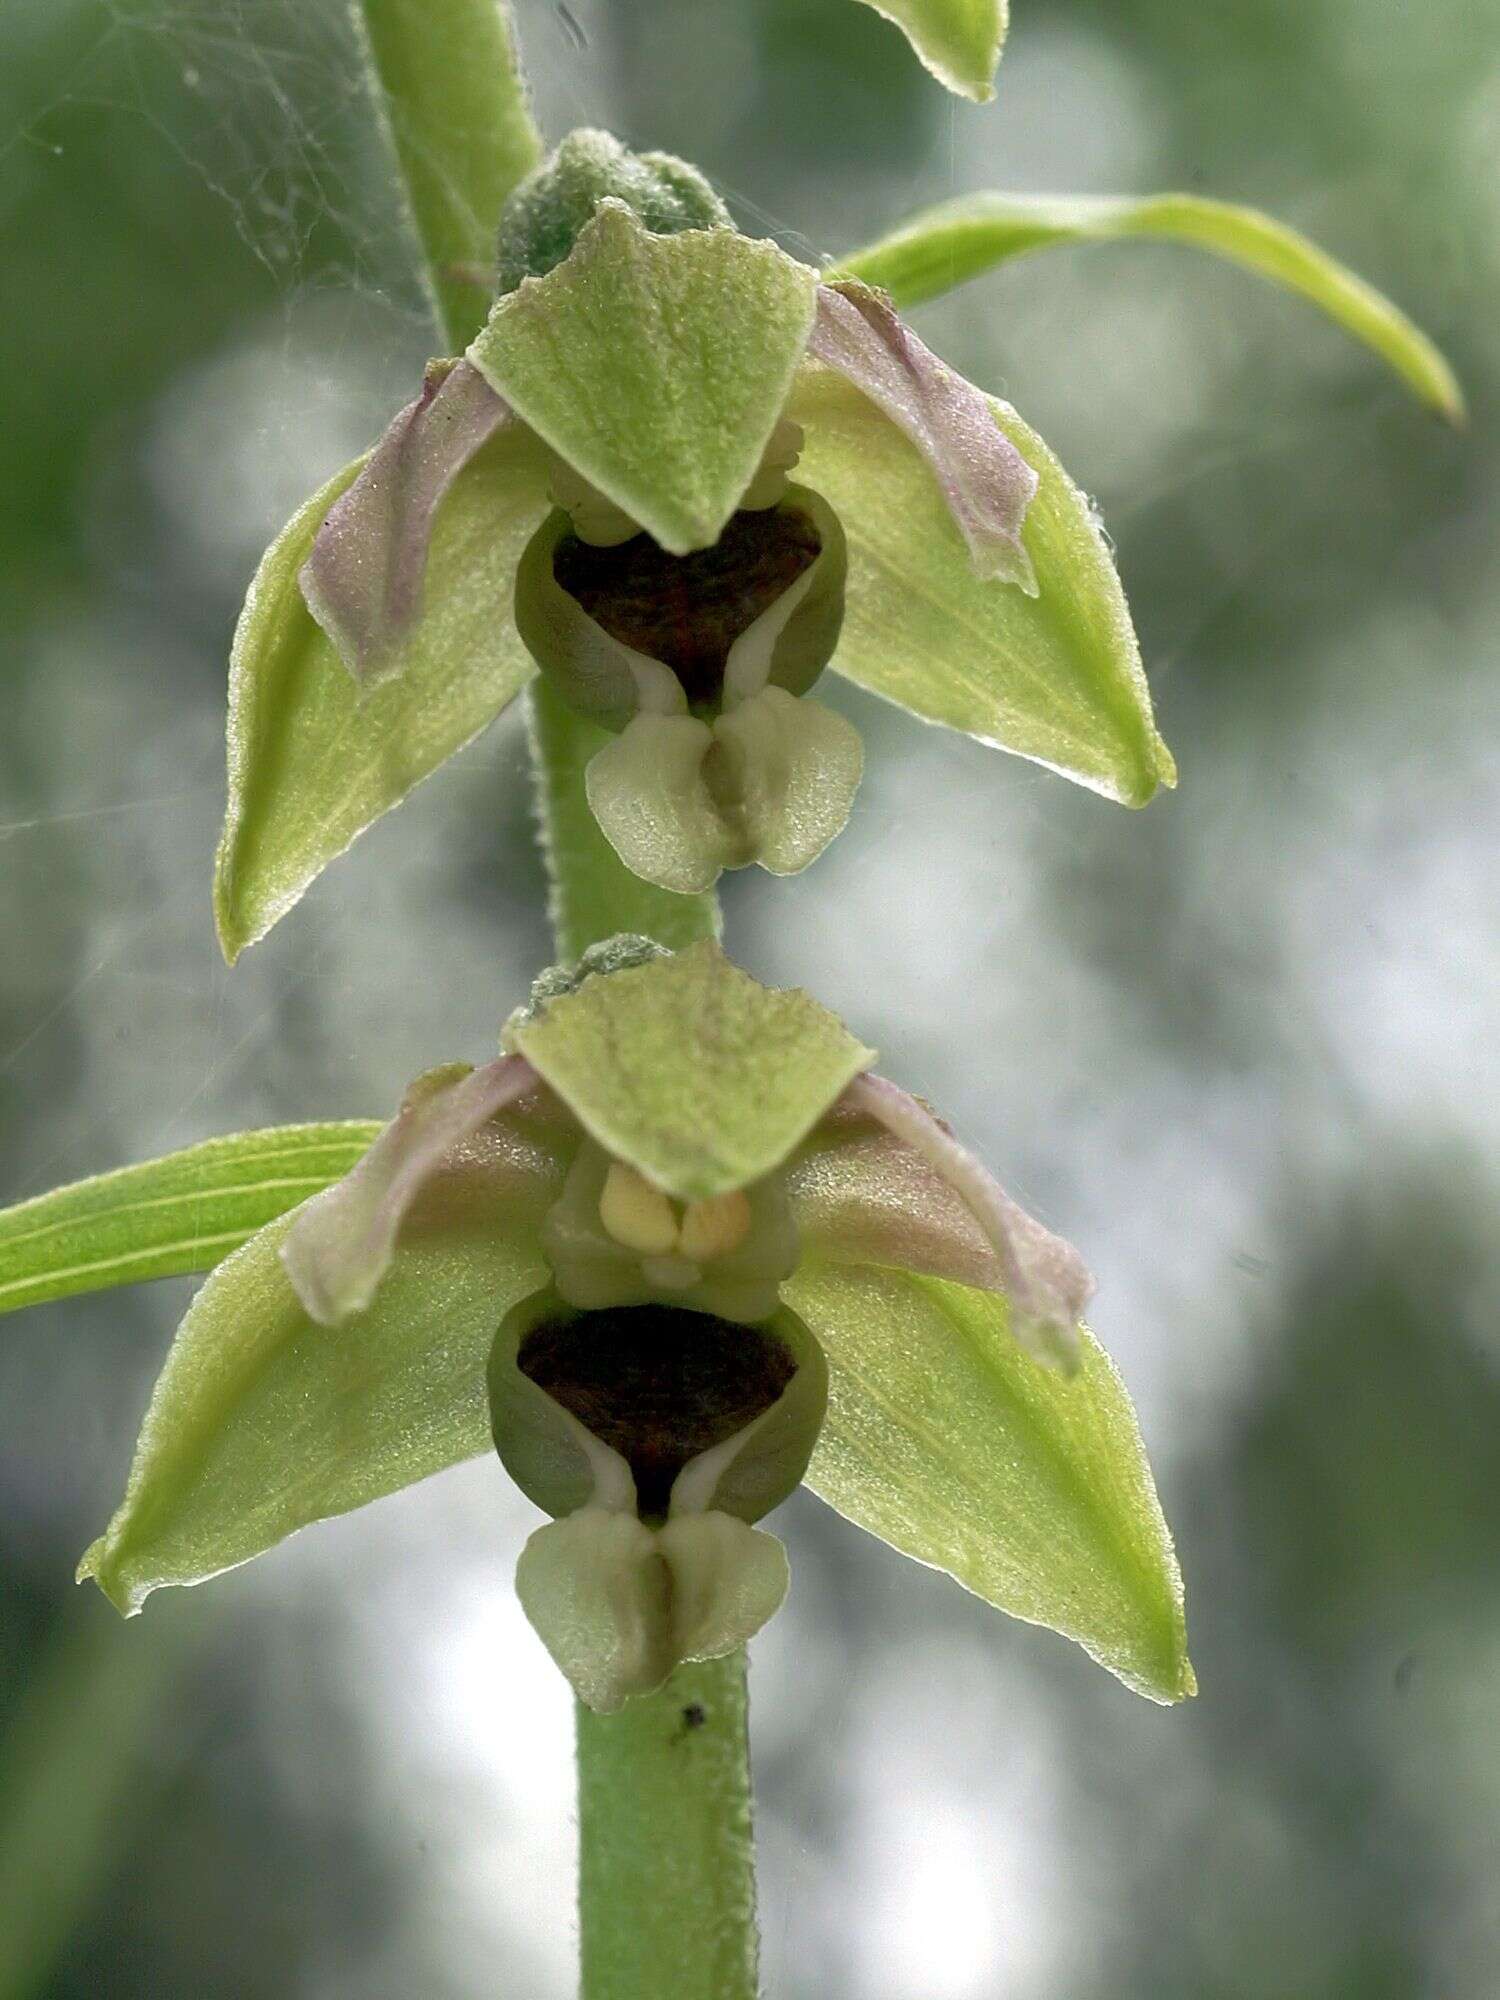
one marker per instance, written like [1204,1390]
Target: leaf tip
[96,1566]
[1447,398]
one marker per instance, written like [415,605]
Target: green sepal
[313,758]
[959,41]
[958,240]
[1031,1488]
[1056,677]
[656,366]
[263,1421]
[182,1213]
[689,1070]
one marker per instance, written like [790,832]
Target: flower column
[666,1858]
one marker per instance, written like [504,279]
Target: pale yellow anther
[714,1228]
[636,1214]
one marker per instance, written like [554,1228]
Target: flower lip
[687,611]
[658,1384]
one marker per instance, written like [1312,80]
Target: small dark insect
[693,1716]
[576,32]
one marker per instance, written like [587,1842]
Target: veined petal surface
[1056,677]
[364,579]
[690,1070]
[313,759]
[987,483]
[1031,1488]
[656,366]
[343,1241]
[263,1421]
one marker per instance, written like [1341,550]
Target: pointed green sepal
[263,1421]
[655,366]
[1056,677]
[168,1217]
[958,240]
[959,41]
[689,1070]
[1031,1488]
[313,759]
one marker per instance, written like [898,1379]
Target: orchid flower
[602,488]
[675,1249]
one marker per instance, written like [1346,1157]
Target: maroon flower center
[687,611]
[658,1384]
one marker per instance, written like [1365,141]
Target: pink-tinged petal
[1043,1278]
[860,1195]
[363,580]
[986,482]
[341,1244]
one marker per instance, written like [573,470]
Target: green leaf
[657,366]
[958,40]
[1056,677]
[263,1421]
[690,1070]
[313,759]
[947,245]
[182,1213]
[1031,1488]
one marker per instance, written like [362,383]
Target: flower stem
[593,893]
[666,1863]
[667,1875]
[449,82]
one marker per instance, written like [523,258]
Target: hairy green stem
[667,1876]
[449,82]
[666,1859]
[593,893]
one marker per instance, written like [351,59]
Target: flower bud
[546,213]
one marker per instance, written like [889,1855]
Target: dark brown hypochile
[687,611]
[658,1384]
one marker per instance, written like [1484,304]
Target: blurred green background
[1241,1048]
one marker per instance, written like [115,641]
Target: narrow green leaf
[656,366]
[1031,1488]
[263,1421]
[689,1069]
[185,1212]
[1056,677]
[313,759]
[948,245]
[957,40]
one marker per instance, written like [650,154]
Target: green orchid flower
[602,488]
[675,1250]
